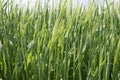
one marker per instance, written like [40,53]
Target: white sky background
[24,3]
[84,3]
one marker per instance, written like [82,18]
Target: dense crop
[59,43]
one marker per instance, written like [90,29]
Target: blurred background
[75,3]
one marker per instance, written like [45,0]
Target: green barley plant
[59,43]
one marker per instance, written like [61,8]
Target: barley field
[63,43]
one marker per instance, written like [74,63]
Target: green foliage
[63,43]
